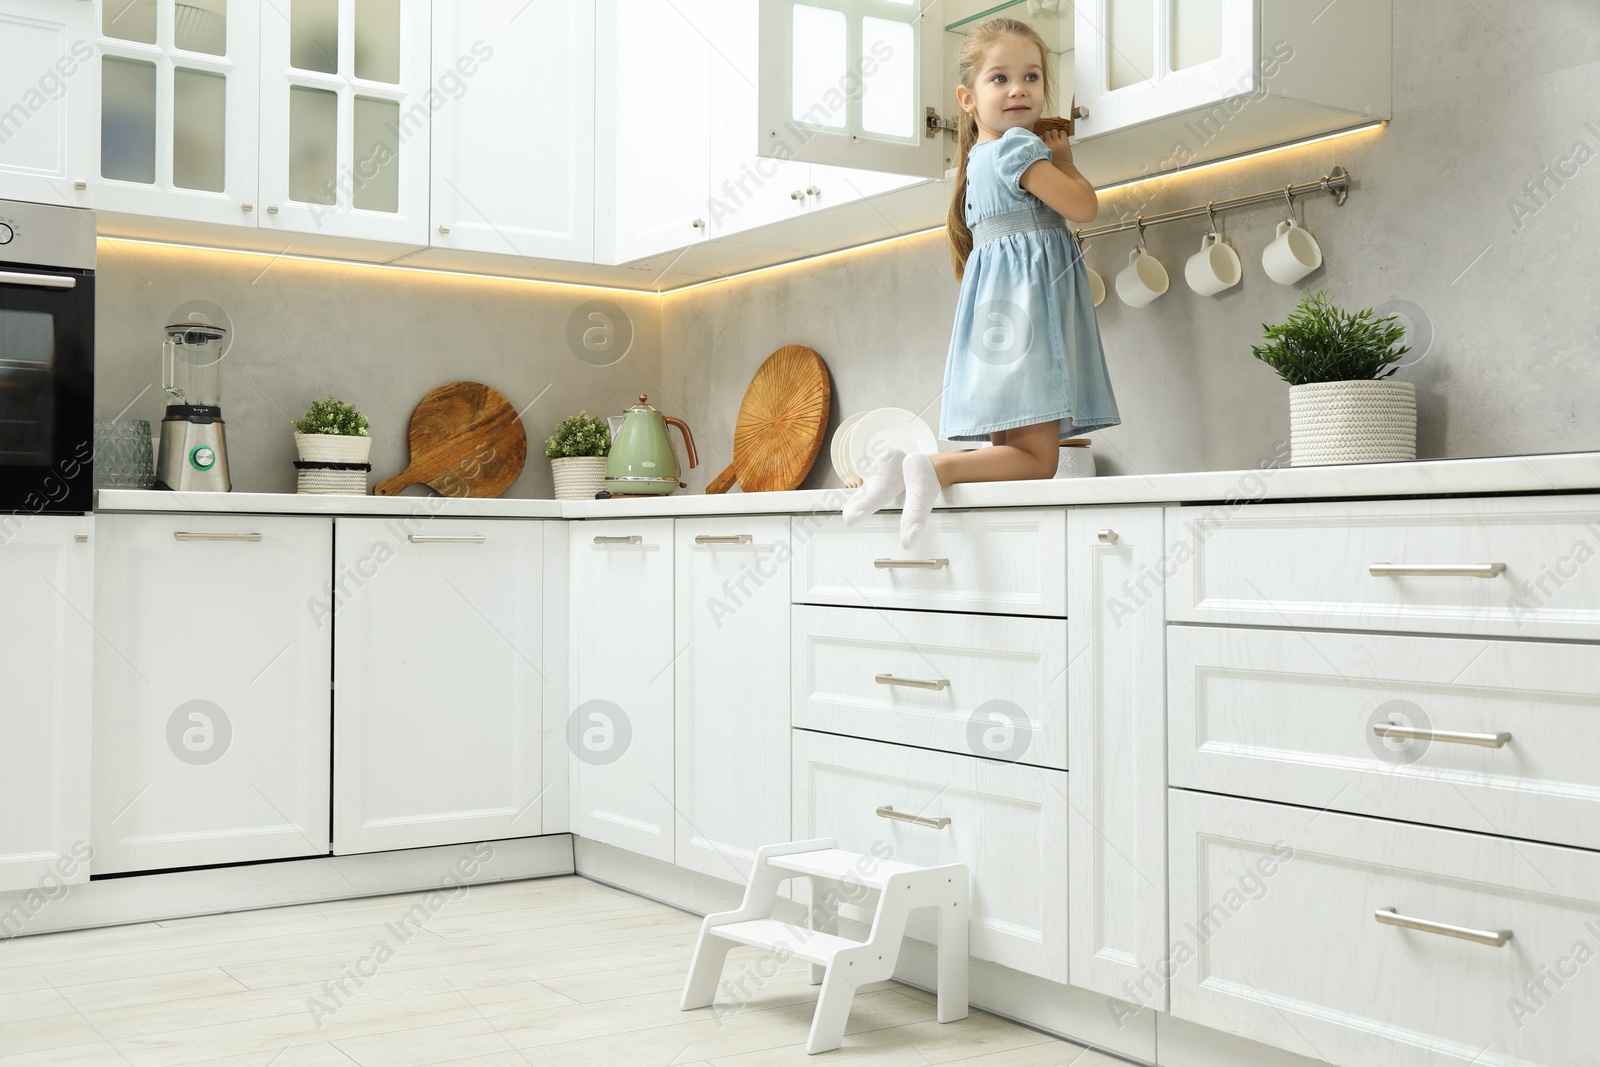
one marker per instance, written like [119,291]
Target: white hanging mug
[1097,286]
[1142,280]
[1293,255]
[1214,268]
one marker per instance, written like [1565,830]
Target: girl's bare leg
[1016,455]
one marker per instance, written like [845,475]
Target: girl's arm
[1057,182]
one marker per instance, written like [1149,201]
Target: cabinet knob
[699,224]
[80,184]
[797,194]
[813,191]
[1080,112]
[272,209]
[1108,537]
[247,207]
[444,229]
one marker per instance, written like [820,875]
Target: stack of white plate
[867,435]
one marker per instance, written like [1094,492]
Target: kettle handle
[688,438]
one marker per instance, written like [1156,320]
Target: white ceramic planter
[1352,422]
[578,477]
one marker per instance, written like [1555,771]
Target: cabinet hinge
[935,124]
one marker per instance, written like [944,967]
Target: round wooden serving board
[782,421]
[466,440]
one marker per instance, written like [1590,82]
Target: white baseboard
[174,894]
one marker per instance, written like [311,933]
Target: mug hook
[1139,222]
[1288,199]
[1211,218]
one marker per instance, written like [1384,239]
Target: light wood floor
[549,972]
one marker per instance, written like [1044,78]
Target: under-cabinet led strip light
[1181,172]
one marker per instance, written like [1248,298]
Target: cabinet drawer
[1008,824]
[1011,562]
[1314,565]
[1291,716]
[970,684]
[1275,938]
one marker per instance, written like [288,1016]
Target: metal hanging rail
[1336,183]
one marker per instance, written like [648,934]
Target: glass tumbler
[124,457]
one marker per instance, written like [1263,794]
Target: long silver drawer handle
[722,539]
[937,822]
[181,535]
[935,684]
[446,539]
[44,281]
[629,539]
[1455,737]
[1430,570]
[1390,917]
[918,564]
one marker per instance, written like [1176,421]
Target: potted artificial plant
[333,447]
[1341,408]
[577,453]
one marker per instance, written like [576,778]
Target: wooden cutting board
[782,421]
[466,440]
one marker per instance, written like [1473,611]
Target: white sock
[922,489]
[883,483]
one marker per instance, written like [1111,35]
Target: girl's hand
[1060,146]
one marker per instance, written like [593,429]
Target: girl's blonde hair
[969,60]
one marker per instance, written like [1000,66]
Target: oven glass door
[46,390]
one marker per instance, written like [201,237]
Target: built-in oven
[46,359]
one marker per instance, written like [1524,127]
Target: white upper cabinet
[513,141]
[849,82]
[178,109]
[50,85]
[345,110]
[653,104]
[1138,60]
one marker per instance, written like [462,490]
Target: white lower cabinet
[620,726]
[46,644]
[437,682]
[1006,821]
[731,705]
[211,702]
[1363,942]
[1116,731]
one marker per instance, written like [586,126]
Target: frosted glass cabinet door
[346,104]
[46,644]
[50,94]
[177,129]
[1141,60]
[513,150]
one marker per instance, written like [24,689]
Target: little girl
[1025,367]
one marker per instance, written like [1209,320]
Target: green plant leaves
[1323,343]
[334,417]
[579,435]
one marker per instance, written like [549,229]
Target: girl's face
[1008,90]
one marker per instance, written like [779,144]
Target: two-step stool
[838,963]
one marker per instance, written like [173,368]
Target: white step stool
[848,964]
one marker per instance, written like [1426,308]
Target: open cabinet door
[848,82]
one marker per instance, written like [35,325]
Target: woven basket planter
[1352,422]
[578,477]
[333,463]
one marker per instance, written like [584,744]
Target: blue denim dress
[1026,346]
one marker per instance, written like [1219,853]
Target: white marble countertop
[1548,472]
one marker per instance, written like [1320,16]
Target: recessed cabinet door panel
[437,682]
[513,148]
[46,645]
[619,727]
[732,688]
[211,680]
[50,83]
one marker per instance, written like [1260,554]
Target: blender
[194,446]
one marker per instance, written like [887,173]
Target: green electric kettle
[641,460]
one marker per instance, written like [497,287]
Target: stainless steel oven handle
[47,281]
